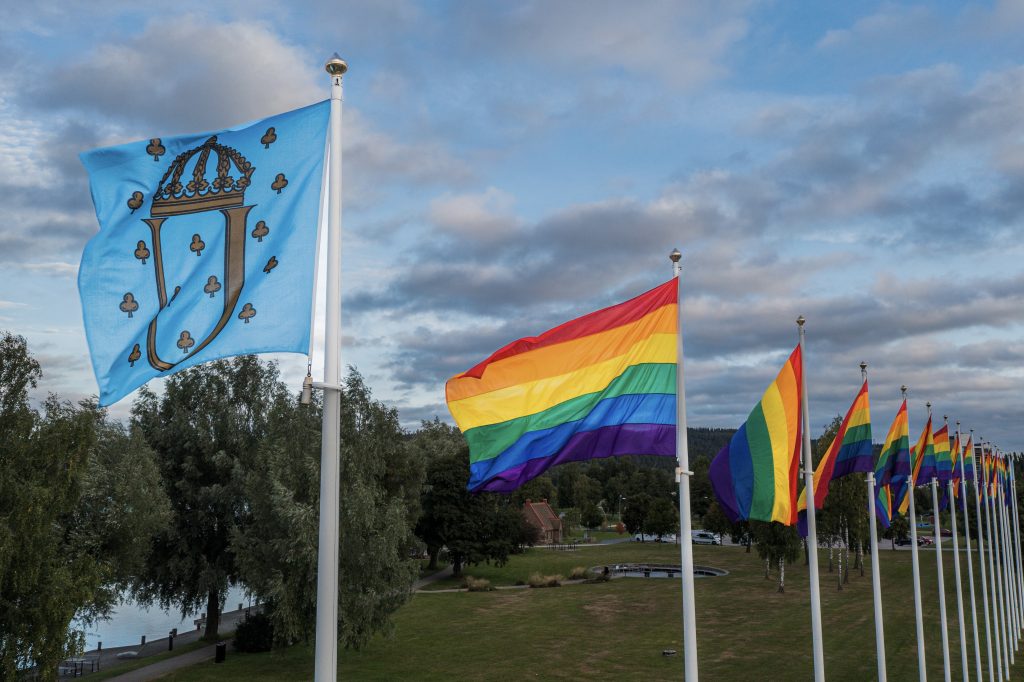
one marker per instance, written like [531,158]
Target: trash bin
[222,650]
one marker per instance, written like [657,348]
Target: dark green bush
[254,634]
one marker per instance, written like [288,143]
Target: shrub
[254,634]
[538,580]
[578,573]
[477,584]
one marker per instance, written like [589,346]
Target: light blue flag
[206,248]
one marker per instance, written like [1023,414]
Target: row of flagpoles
[897,472]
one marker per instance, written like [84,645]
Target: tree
[380,478]
[591,516]
[474,527]
[206,429]
[121,506]
[716,521]
[586,491]
[662,518]
[899,529]
[79,498]
[540,488]
[777,545]
[634,514]
[843,518]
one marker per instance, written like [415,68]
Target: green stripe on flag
[487,442]
[763,461]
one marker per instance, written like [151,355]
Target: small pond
[656,571]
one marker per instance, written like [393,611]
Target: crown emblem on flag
[199,194]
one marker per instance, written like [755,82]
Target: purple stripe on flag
[720,474]
[608,441]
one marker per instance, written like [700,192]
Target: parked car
[703,537]
[924,541]
[903,542]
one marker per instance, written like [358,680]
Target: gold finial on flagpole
[336,66]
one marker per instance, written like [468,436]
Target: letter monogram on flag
[205,249]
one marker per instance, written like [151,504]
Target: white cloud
[683,44]
[56,268]
[187,75]
[480,217]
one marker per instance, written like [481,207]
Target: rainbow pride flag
[883,505]
[598,386]
[754,476]
[969,458]
[957,454]
[848,453]
[923,457]
[943,455]
[893,466]
[894,460]
[1000,477]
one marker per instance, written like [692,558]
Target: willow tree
[206,429]
[79,498]
[379,484]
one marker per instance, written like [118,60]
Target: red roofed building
[541,516]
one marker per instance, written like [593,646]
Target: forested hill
[705,443]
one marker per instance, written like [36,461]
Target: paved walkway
[168,665]
[440,575]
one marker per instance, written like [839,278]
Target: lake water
[129,622]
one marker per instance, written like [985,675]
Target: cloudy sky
[509,166]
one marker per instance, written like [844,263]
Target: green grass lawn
[617,630]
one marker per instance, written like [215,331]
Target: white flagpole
[922,671]
[1009,577]
[970,566]
[938,561]
[1011,567]
[990,623]
[876,578]
[1011,554]
[1011,544]
[956,568]
[683,474]
[997,619]
[1016,528]
[812,533]
[1011,616]
[326,666]
[997,552]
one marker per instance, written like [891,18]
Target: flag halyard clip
[328,387]
[680,473]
